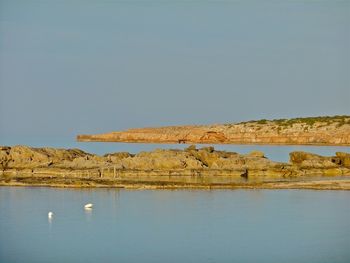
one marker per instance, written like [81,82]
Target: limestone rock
[21,158]
[344,158]
[310,160]
[257,154]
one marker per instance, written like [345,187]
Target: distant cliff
[333,130]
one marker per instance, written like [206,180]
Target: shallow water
[174,226]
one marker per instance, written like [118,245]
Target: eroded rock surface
[207,160]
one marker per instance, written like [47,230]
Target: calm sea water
[174,226]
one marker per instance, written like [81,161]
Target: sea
[173,225]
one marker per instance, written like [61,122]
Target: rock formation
[301,131]
[191,167]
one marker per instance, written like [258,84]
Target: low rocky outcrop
[21,157]
[342,159]
[299,131]
[190,167]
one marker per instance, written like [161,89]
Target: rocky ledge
[333,130]
[189,168]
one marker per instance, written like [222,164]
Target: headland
[324,131]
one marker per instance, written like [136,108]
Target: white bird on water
[50,215]
[88,206]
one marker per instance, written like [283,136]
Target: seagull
[88,206]
[50,215]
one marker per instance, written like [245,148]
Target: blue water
[276,153]
[174,226]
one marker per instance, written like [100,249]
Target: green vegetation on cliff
[339,120]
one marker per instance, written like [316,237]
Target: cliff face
[192,167]
[303,131]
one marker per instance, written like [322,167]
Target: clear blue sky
[69,67]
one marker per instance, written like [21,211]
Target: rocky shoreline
[203,168]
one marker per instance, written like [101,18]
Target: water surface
[174,226]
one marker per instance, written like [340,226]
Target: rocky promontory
[299,131]
[191,168]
